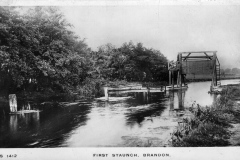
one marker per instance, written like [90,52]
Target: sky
[170,29]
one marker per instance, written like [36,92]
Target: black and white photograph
[119,79]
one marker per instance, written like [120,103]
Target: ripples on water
[136,120]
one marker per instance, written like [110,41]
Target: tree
[228,70]
[39,47]
[130,62]
[235,70]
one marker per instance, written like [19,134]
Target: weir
[138,88]
[189,65]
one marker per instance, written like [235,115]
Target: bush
[209,125]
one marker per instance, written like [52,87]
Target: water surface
[131,119]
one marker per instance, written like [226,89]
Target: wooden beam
[199,52]
[180,72]
[207,55]
[197,57]
[198,60]
[187,56]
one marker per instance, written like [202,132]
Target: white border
[214,153]
[115,2]
[204,153]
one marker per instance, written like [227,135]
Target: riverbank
[210,79]
[89,90]
[211,126]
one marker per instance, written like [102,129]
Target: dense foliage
[130,62]
[39,52]
[37,48]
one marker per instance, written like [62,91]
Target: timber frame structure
[200,62]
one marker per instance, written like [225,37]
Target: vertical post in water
[214,79]
[213,83]
[169,74]
[215,68]
[28,106]
[180,70]
[106,93]
[13,102]
[172,80]
[170,77]
[178,79]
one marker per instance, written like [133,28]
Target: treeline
[231,71]
[39,52]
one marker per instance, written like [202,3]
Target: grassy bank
[209,126]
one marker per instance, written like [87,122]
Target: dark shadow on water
[144,105]
[48,128]
[139,116]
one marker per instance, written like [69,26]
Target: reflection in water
[181,98]
[144,104]
[28,121]
[96,123]
[176,102]
[171,100]
[13,123]
[142,97]
[109,122]
[176,99]
[42,129]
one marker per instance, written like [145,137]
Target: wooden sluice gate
[189,65]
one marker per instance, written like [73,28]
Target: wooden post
[28,106]
[178,79]
[147,94]
[13,102]
[180,70]
[106,93]
[214,79]
[183,80]
[172,81]
[170,77]
[219,73]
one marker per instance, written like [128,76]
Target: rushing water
[131,119]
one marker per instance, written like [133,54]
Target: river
[127,120]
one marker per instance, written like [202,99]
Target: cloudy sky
[170,29]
